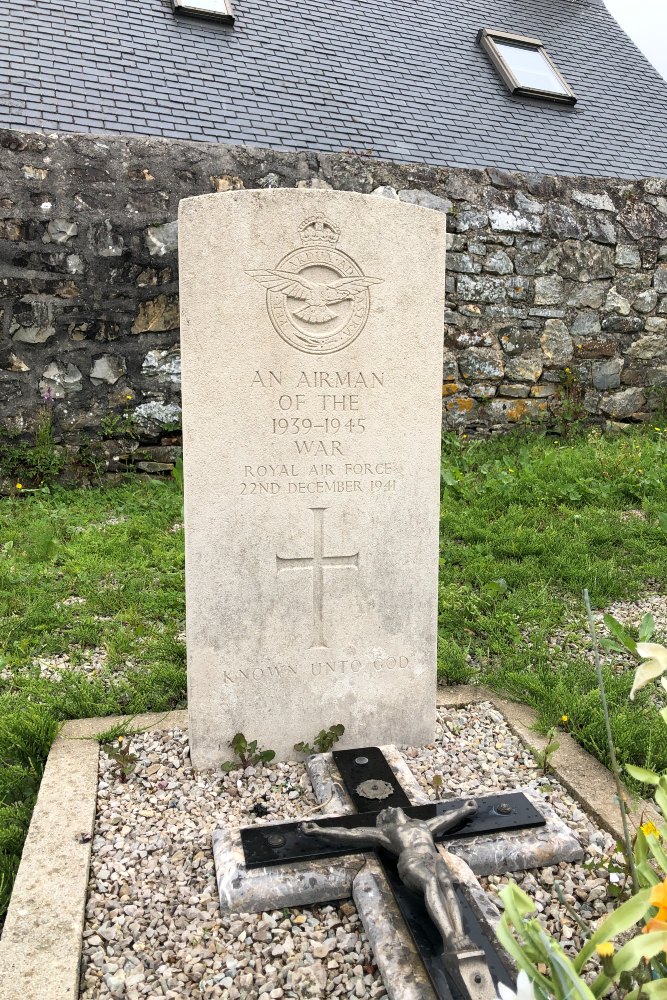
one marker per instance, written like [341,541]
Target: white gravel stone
[152,918]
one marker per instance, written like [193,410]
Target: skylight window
[525,66]
[218,10]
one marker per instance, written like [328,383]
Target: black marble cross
[284,842]
[373,786]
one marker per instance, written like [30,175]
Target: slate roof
[406,80]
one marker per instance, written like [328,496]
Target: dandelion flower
[605,949]
[564,718]
[649,829]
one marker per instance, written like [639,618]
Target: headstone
[311,328]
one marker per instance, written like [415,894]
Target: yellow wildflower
[120,739]
[564,718]
[605,949]
[19,486]
[649,829]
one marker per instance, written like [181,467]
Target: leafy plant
[568,405]
[119,425]
[40,461]
[554,975]
[543,757]
[248,754]
[43,543]
[623,640]
[125,760]
[438,785]
[325,739]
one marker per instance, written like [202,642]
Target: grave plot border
[40,949]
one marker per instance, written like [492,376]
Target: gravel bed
[93,664]
[575,641]
[153,928]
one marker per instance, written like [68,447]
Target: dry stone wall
[556,287]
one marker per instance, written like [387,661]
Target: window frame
[190,8]
[487,38]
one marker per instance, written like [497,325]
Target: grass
[526,525]
[526,522]
[117,550]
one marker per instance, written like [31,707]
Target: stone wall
[556,286]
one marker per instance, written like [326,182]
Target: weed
[116,425]
[622,639]
[568,405]
[438,785]
[323,742]
[543,757]
[123,757]
[39,462]
[247,754]
[177,472]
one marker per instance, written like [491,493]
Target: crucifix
[460,960]
[318,562]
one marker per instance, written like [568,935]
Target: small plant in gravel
[121,754]
[543,757]
[323,742]
[248,754]
[438,785]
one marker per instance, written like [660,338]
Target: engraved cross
[318,563]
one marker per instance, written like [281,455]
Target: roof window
[525,66]
[217,10]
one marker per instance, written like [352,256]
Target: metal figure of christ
[420,865]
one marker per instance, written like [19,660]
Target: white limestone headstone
[311,328]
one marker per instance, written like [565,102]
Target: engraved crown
[319,230]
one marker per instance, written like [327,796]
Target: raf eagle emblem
[318,295]
[307,282]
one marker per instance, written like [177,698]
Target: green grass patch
[526,524]
[118,551]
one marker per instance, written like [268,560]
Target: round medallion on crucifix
[374,789]
[318,298]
